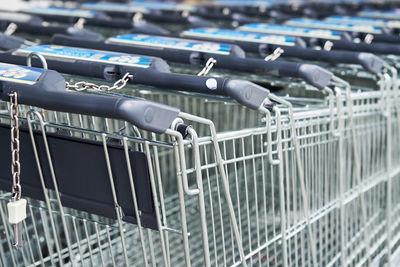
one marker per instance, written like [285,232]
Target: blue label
[391,14]
[111,6]
[64,52]
[370,21]
[244,3]
[163,5]
[334,26]
[71,12]
[175,43]
[222,34]
[293,31]
[19,74]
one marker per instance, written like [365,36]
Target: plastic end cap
[371,62]
[246,93]
[147,115]
[315,75]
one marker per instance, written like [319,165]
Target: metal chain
[81,86]
[15,147]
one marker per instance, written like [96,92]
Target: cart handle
[47,89]
[368,61]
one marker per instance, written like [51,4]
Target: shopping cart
[316,185]
[50,94]
[269,230]
[217,156]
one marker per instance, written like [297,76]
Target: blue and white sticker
[362,20]
[244,3]
[334,26]
[171,6]
[391,14]
[113,7]
[59,11]
[73,53]
[222,34]
[19,74]
[174,43]
[292,31]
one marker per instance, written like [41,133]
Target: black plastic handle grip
[376,48]
[369,61]
[387,38]
[312,74]
[246,93]
[54,16]
[49,92]
[20,18]
[51,29]
[11,42]
[157,74]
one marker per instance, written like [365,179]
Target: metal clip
[138,17]
[185,14]
[328,46]
[275,55]
[226,11]
[368,38]
[209,65]
[80,23]
[11,28]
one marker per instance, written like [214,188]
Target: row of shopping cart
[227,134]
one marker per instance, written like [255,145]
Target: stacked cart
[263,140]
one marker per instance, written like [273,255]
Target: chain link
[275,55]
[80,23]
[82,85]
[209,65]
[11,28]
[15,146]
[368,38]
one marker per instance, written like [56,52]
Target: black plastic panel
[81,173]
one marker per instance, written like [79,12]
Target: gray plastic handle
[246,93]
[49,92]
[313,74]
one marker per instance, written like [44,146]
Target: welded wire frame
[56,235]
[333,190]
[264,192]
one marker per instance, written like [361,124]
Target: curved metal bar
[41,57]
